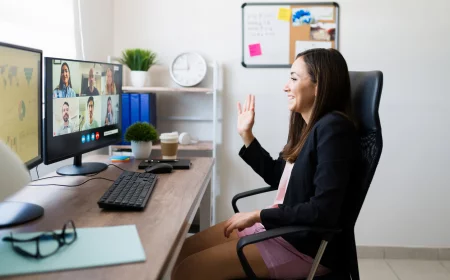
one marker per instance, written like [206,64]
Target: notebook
[100,246]
[176,164]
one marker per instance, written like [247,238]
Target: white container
[141,150]
[138,78]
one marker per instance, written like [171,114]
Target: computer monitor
[20,125]
[83,109]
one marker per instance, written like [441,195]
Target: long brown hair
[110,88]
[328,70]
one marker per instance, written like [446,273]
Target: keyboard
[130,191]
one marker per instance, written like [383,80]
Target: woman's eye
[294,79]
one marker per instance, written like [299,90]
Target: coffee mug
[186,139]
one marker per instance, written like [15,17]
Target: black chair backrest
[366,90]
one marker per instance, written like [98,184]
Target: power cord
[47,178]
[91,175]
[72,185]
[117,167]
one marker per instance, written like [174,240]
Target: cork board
[274,33]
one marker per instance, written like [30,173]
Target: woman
[110,86]
[314,173]
[109,119]
[64,89]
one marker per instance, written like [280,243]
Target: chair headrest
[365,94]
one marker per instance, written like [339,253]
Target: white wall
[407,203]
[97,29]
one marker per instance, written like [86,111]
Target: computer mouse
[159,168]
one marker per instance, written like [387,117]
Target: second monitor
[83,104]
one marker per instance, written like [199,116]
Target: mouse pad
[176,164]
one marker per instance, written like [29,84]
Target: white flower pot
[138,78]
[141,150]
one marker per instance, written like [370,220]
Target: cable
[116,166]
[74,185]
[37,173]
[91,175]
[47,178]
[81,29]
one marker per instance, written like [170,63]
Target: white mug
[186,139]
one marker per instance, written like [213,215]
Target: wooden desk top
[162,226]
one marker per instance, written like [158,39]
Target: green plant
[141,132]
[138,59]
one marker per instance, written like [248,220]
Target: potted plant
[139,61]
[141,135]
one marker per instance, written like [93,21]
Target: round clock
[188,69]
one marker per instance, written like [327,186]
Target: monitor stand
[79,168]
[14,213]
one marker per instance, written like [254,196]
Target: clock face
[188,69]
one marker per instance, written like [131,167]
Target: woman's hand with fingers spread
[246,119]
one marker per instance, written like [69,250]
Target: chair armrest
[327,235]
[249,193]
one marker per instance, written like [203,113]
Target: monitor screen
[82,107]
[21,102]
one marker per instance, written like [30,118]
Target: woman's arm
[252,152]
[262,163]
[336,143]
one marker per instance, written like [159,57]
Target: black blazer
[324,173]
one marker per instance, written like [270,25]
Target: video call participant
[64,89]
[110,118]
[67,126]
[91,89]
[110,86]
[90,123]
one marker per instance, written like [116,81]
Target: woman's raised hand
[246,119]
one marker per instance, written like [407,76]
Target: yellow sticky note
[284,14]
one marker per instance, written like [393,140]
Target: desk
[162,226]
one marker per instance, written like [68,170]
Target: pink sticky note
[255,49]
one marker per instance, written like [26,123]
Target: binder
[137,107]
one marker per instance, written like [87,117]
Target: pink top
[282,187]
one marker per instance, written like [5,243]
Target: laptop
[176,163]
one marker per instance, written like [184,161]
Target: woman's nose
[286,88]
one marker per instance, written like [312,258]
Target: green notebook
[100,246]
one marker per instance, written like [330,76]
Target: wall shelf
[166,89]
[184,118]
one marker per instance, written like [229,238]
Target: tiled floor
[385,269]
[376,269]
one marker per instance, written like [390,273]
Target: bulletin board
[274,33]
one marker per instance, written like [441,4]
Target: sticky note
[255,49]
[284,14]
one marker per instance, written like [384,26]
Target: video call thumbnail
[84,96]
[84,113]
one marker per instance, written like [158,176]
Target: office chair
[366,90]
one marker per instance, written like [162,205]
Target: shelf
[166,89]
[184,118]
[200,146]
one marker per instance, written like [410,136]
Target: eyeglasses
[45,244]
